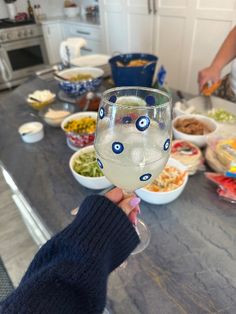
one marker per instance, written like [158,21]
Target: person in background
[69,273]
[212,73]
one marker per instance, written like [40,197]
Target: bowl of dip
[56,113]
[31,132]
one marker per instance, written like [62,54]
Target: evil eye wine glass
[133,139]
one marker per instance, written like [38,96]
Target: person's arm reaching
[69,273]
[226,53]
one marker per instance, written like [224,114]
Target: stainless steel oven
[22,53]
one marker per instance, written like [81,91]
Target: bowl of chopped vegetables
[80,128]
[85,169]
[168,186]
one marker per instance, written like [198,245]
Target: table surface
[190,264]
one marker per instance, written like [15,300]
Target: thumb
[129,204]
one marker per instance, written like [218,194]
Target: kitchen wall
[50,8]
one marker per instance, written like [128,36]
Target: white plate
[90,60]
[198,104]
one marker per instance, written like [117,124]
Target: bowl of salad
[85,169]
[80,128]
[167,186]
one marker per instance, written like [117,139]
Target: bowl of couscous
[80,128]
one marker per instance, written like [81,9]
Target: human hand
[208,74]
[129,205]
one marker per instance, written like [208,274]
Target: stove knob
[25,33]
[9,35]
[31,32]
[19,34]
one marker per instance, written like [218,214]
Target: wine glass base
[144,236]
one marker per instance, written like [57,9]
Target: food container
[54,115]
[79,139]
[98,60]
[95,183]
[135,75]
[160,198]
[44,101]
[199,140]
[78,88]
[31,132]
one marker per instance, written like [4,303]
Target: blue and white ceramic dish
[74,89]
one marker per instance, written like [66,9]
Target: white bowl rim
[99,74]
[198,117]
[77,114]
[76,154]
[179,187]
[36,123]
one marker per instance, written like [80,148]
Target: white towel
[74,45]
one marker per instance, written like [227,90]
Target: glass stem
[126,195]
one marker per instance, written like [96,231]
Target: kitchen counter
[190,264]
[85,20]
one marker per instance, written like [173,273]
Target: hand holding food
[208,74]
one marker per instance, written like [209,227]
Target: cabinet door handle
[154,7]
[149,6]
[86,49]
[82,32]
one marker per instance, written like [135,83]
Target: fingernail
[134,202]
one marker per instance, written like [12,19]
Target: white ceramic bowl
[160,198]
[199,140]
[71,11]
[89,182]
[31,132]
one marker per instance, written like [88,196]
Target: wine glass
[133,139]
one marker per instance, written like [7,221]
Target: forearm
[227,51]
[72,268]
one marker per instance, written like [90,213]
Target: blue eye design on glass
[145,177]
[113,98]
[126,120]
[166,144]
[142,123]
[150,100]
[117,147]
[101,113]
[99,163]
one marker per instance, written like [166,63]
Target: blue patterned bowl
[74,89]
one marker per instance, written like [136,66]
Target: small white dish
[31,132]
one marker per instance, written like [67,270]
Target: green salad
[86,165]
[221,115]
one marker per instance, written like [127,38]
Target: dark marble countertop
[190,264]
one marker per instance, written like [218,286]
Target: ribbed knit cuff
[102,228]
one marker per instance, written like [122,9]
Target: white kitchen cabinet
[53,37]
[140,25]
[113,18]
[92,35]
[184,34]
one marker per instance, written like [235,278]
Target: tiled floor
[16,245]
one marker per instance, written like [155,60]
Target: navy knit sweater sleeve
[69,273]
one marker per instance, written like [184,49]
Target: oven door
[24,57]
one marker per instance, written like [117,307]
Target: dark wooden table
[190,264]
